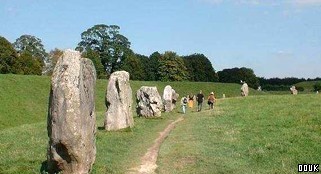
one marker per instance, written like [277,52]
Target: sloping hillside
[24,99]
[308,86]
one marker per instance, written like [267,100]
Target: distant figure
[293,90]
[317,92]
[199,99]
[244,89]
[259,88]
[191,100]
[184,103]
[223,95]
[211,100]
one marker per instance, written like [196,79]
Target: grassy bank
[23,115]
[263,134]
[24,99]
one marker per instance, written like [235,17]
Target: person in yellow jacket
[191,98]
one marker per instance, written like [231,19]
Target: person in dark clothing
[199,99]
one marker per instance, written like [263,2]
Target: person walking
[183,104]
[191,100]
[199,99]
[211,100]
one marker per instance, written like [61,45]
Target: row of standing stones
[71,121]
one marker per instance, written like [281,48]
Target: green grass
[24,99]
[262,134]
[23,115]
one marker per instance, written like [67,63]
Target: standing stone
[167,97]
[149,102]
[170,97]
[71,115]
[174,98]
[244,90]
[293,90]
[119,102]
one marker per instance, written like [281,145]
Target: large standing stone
[71,115]
[245,90]
[170,97]
[293,90]
[149,102]
[119,102]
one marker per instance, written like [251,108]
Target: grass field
[261,134]
[24,99]
[258,134]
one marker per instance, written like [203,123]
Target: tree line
[110,51]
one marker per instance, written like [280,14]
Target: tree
[172,67]
[53,57]
[94,57]
[133,65]
[153,65]
[108,42]
[278,84]
[33,46]
[27,65]
[317,86]
[235,75]
[200,68]
[7,56]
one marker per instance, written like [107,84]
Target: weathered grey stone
[71,115]
[174,98]
[119,102]
[245,90]
[149,102]
[170,97]
[293,90]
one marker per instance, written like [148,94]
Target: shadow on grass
[43,167]
[128,129]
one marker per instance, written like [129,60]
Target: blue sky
[276,38]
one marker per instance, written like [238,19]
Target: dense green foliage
[278,84]
[30,59]
[33,46]
[317,86]
[200,68]
[134,66]
[284,84]
[26,64]
[172,67]
[95,58]
[108,42]
[110,51]
[151,66]
[235,75]
[7,56]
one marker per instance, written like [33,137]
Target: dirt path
[148,161]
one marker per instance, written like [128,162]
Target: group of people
[199,98]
